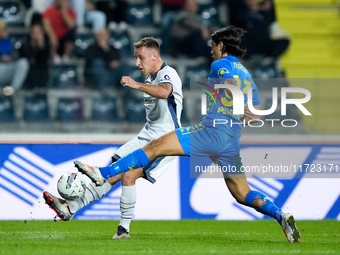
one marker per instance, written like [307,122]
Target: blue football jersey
[222,108]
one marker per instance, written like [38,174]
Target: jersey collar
[232,58]
[154,77]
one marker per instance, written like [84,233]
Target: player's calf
[262,204]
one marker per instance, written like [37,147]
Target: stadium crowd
[87,45]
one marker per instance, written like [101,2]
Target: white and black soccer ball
[71,186]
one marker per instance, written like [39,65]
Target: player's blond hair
[148,42]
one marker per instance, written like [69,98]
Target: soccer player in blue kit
[220,142]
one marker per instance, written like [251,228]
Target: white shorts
[155,168]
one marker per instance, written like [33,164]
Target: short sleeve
[166,78]
[222,70]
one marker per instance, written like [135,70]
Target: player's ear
[220,46]
[154,55]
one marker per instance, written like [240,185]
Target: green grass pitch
[167,237]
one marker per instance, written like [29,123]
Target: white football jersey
[162,115]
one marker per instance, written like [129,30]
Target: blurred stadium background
[41,133]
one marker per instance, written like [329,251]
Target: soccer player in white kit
[163,102]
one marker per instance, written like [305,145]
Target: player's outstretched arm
[161,91]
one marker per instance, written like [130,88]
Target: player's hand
[54,41]
[127,81]
[63,5]
[248,115]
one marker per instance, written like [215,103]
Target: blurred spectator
[264,38]
[13,71]
[59,23]
[27,3]
[103,65]
[267,9]
[236,9]
[172,5]
[189,35]
[86,14]
[115,11]
[34,13]
[36,49]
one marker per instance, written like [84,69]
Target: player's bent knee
[129,178]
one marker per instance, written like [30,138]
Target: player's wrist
[140,86]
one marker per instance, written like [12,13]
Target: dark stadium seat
[12,12]
[140,15]
[209,14]
[36,109]
[6,110]
[122,42]
[195,72]
[104,109]
[65,76]
[135,110]
[269,71]
[165,36]
[70,110]
[83,41]
[18,38]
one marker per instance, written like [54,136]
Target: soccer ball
[71,186]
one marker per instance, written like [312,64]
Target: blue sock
[134,160]
[267,208]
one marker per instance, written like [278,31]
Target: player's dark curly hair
[231,38]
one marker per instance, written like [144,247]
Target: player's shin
[134,160]
[127,205]
[266,206]
[92,193]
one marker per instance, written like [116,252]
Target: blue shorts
[222,149]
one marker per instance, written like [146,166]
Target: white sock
[127,205]
[92,193]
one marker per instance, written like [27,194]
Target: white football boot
[58,205]
[289,228]
[92,172]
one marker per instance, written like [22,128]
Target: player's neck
[157,66]
[224,55]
